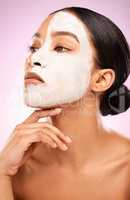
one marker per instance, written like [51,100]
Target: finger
[28,139]
[47,140]
[36,115]
[57,132]
[60,144]
[41,133]
[46,125]
[25,141]
[31,125]
[30,142]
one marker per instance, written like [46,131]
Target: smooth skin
[34,165]
[17,150]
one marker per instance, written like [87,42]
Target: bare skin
[105,177]
[96,164]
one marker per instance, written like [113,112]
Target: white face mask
[66,74]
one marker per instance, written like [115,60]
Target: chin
[34,104]
[33,97]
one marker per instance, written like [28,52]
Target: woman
[74,73]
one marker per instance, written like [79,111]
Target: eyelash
[33,49]
[60,46]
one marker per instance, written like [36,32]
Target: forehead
[62,21]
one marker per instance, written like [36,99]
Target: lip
[32,78]
[32,81]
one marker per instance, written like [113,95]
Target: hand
[25,135]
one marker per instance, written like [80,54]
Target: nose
[35,60]
[38,60]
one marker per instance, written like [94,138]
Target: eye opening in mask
[61,47]
[34,44]
[32,49]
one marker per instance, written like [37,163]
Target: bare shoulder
[120,146]
[124,144]
[117,148]
[120,142]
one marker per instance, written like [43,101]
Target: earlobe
[102,80]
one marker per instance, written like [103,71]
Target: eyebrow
[58,33]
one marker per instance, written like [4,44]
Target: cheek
[64,69]
[67,70]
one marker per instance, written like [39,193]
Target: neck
[82,122]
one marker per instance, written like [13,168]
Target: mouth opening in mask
[33,78]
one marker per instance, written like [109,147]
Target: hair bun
[115,101]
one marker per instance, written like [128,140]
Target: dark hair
[112,52]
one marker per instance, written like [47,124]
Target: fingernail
[65,147]
[68,139]
[55,145]
[58,110]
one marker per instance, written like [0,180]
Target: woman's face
[63,48]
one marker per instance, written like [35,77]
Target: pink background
[19,20]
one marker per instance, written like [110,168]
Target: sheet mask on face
[67,74]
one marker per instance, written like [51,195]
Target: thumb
[36,115]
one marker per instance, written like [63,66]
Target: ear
[102,79]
